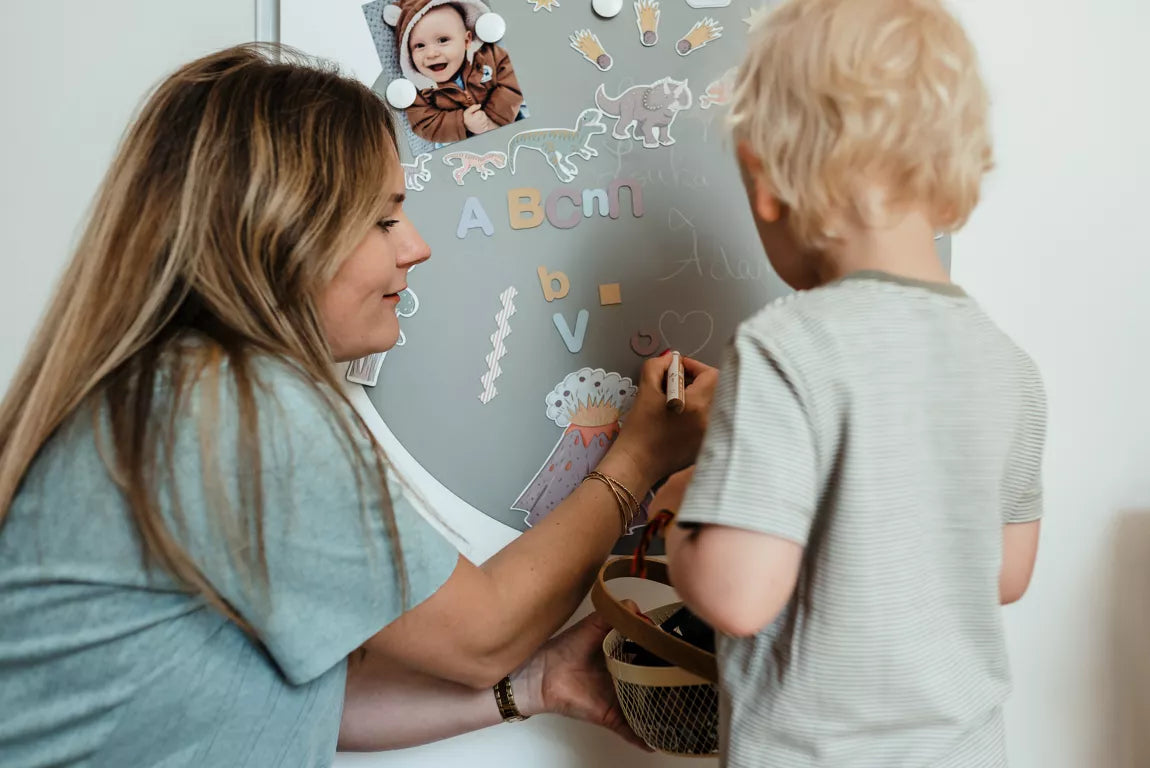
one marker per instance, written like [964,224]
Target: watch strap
[505,700]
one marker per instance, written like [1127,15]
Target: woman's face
[357,308]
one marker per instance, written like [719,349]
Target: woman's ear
[763,200]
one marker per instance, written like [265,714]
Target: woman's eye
[386,224]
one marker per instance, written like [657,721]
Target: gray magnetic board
[509,383]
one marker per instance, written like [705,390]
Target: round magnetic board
[606,224]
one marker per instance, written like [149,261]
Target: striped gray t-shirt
[897,413]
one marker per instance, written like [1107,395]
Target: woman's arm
[387,706]
[485,621]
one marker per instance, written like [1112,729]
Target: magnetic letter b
[555,284]
[523,208]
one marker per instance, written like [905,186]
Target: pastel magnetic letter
[595,198]
[574,341]
[523,208]
[636,197]
[644,343]
[473,217]
[555,284]
[552,208]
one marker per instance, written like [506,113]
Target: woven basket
[674,709]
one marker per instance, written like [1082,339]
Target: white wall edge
[268,21]
[476,535]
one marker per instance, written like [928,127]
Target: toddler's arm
[438,125]
[506,98]
[753,495]
[737,581]
[1022,491]
[1019,551]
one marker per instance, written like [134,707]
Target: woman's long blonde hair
[247,178]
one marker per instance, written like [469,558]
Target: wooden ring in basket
[633,627]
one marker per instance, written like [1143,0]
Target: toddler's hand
[475,119]
[670,496]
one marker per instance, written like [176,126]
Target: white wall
[1057,254]
[1054,252]
[71,74]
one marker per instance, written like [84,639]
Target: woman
[203,559]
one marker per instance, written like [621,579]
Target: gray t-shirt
[900,416]
[106,663]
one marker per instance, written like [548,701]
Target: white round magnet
[400,93]
[391,14]
[608,9]
[490,27]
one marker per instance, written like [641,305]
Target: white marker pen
[676,384]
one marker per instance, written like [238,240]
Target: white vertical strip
[268,21]
[503,328]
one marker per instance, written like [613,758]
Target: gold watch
[505,700]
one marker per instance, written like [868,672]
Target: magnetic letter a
[473,217]
[549,279]
[574,341]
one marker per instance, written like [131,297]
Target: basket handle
[663,644]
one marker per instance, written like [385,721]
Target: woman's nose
[414,251]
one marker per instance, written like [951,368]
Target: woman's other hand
[659,441]
[568,676]
[388,705]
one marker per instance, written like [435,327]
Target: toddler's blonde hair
[860,107]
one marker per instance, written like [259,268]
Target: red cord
[656,527]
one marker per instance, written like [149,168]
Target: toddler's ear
[759,190]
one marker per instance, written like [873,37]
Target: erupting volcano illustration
[588,405]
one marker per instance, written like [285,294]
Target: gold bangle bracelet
[620,503]
[620,486]
[624,499]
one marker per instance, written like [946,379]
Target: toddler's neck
[905,248]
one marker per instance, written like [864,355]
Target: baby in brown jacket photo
[464,86]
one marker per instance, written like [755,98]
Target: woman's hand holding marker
[676,384]
[672,439]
